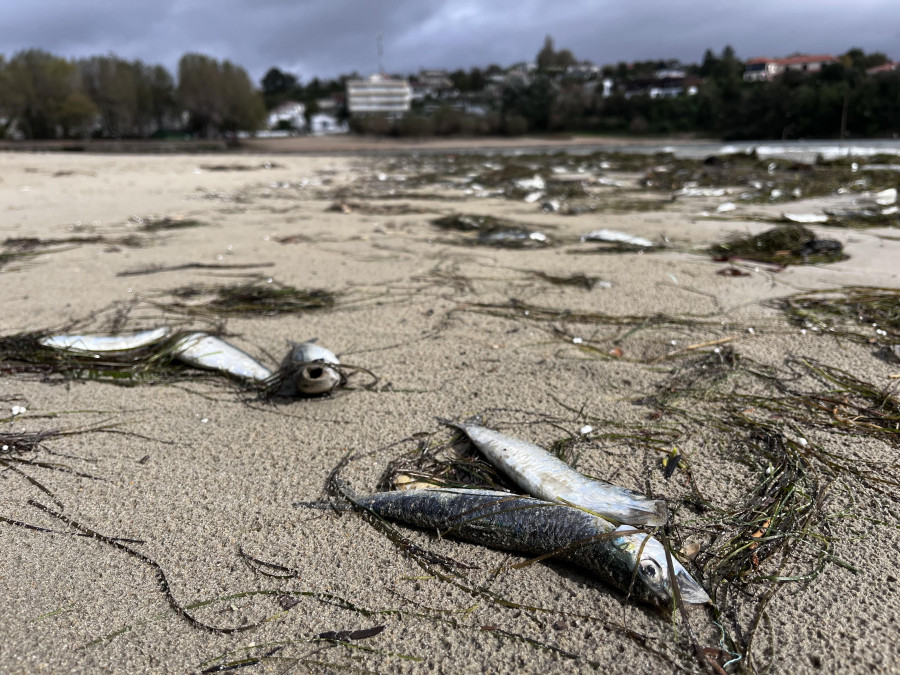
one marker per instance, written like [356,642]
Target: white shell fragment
[612,236]
[205,351]
[805,217]
[105,343]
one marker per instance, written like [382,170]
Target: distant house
[324,124]
[289,113]
[582,71]
[666,83]
[379,94]
[764,68]
[436,80]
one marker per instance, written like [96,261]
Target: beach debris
[106,343]
[492,231]
[726,207]
[805,218]
[733,272]
[154,224]
[789,244]
[263,297]
[203,350]
[308,370]
[885,197]
[864,314]
[545,476]
[628,559]
[577,279]
[700,192]
[614,237]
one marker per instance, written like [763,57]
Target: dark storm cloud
[328,37]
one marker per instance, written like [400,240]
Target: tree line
[45,96]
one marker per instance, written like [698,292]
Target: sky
[326,38]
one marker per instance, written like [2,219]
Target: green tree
[39,84]
[218,96]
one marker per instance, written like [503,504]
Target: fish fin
[691,591]
[653,514]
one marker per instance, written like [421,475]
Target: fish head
[317,378]
[654,574]
[653,581]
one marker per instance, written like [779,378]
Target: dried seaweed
[493,231]
[166,223]
[256,298]
[789,244]
[864,314]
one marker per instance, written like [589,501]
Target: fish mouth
[317,378]
[690,590]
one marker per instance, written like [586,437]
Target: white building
[763,68]
[379,94]
[323,124]
[290,112]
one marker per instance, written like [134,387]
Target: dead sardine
[106,343]
[309,370]
[614,237]
[206,351]
[633,562]
[543,475]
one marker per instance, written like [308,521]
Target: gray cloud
[329,37]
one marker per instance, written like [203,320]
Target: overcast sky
[330,37]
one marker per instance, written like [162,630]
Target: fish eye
[651,570]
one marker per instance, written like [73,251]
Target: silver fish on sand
[106,343]
[206,351]
[633,562]
[543,475]
[310,370]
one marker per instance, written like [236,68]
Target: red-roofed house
[765,68]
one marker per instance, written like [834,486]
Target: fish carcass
[632,561]
[543,475]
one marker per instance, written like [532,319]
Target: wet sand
[201,475]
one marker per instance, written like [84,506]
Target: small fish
[545,476]
[614,237]
[633,562]
[206,351]
[309,370]
[106,343]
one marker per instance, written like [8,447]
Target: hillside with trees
[46,96]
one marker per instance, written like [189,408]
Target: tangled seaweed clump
[789,244]
[257,298]
[492,231]
[861,313]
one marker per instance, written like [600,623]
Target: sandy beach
[208,480]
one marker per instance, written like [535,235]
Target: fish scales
[533,526]
[542,474]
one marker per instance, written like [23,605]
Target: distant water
[801,151]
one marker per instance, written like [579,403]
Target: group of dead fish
[566,515]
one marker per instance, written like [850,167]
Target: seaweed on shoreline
[789,244]
[866,314]
[255,298]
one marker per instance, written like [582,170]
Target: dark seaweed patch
[790,244]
